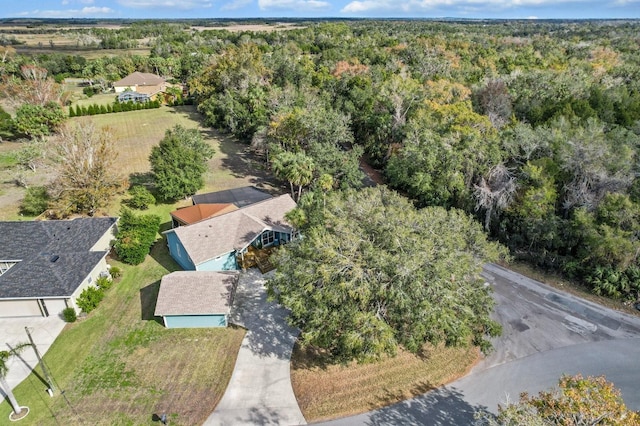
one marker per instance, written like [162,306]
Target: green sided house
[189,299]
[45,265]
[223,242]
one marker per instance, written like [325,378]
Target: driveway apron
[259,391]
[44,332]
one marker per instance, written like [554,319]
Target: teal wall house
[190,299]
[215,244]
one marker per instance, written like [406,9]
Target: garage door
[19,308]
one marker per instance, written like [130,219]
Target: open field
[280,26]
[135,133]
[84,52]
[332,391]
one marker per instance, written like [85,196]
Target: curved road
[546,333]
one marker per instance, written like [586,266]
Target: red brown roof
[198,212]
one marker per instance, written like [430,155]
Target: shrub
[90,298]
[35,201]
[135,237]
[104,283]
[115,272]
[141,198]
[69,315]
[89,91]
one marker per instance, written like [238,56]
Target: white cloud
[66,2]
[294,5]
[406,6]
[174,4]
[236,4]
[69,13]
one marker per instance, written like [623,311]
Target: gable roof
[241,197]
[54,256]
[139,79]
[198,212]
[196,293]
[225,233]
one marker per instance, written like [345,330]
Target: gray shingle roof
[196,293]
[241,197]
[235,230]
[54,255]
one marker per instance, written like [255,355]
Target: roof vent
[54,258]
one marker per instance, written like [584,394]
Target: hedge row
[96,109]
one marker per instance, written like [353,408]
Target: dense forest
[531,127]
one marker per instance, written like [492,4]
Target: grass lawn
[331,391]
[120,366]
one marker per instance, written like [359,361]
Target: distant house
[133,97]
[219,243]
[192,214]
[142,84]
[44,266]
[190,299]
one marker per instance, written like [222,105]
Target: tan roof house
[189,299]
[143,83]
[215,244]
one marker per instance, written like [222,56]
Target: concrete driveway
[43,330]
[259,392]
[546,333]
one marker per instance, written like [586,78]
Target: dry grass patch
[330,391]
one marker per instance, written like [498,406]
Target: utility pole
[47,376]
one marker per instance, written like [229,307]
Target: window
[268,237]
[6,265]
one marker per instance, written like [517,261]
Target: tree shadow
[268,334]
[160,252]
[31,368]
[442,406]
[141,179]
[242,162]
[148,299]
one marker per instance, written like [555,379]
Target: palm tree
[4,370]
[296,168]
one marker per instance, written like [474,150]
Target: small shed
[193,299]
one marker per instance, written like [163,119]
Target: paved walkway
[260,388]
[43,330]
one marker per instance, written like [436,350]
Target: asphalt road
[546,333]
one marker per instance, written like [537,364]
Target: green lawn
[120,366]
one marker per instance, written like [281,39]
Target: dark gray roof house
[45,265]
[240,197]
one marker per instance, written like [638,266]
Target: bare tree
[495,192]
[33,88]
[87,175]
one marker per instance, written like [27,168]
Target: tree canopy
[577,401]
[371,272]
[179,162]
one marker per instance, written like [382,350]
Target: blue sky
[543,9]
